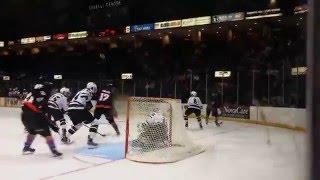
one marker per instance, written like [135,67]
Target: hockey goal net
[159,138]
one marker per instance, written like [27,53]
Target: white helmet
[38,86]
[65,91]
[92,87]
[193,93]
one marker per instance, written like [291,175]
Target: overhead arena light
[299,71]
[125,76]
[57,77]
[6,78]
[222,74]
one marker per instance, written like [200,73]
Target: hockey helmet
[193,93]
[38,86]
[92,87]
[65,91]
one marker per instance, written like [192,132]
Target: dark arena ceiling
[20,18]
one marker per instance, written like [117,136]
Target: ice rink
[235,151]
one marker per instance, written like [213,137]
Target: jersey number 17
[104,96]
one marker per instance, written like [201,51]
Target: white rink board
[288,116]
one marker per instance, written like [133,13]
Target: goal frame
[128,119]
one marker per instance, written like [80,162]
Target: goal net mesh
[159,139]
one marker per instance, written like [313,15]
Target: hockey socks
[93,131]
[27,149]
[200,123]
[115,127]
[50,143]
[91,143]
[72,130]
[52,147]
[29,140]
[63,126]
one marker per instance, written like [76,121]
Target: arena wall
[290,118]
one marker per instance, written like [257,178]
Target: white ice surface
[235,151]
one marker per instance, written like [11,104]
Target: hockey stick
[103,135]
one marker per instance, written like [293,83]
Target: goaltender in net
[153,133]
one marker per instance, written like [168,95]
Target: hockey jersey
[194,102]
[35,101]
[58,101]
[104,100]
[214,100]
[81,100]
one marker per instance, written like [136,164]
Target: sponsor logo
[77,35]
[143,27]
[167,24]
[29,40]
[59,36]
[42,38]
[228,17]
[236,112]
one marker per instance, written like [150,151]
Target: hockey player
[104,107]
[58,106]
[153,132]
[213,107]
[194,107]
[79,110]
[36,121]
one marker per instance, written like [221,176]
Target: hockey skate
[66,140]
[207,121]
[200,125]
[56,153]
[187,124]
[218,124]
[91,143]
[28,150]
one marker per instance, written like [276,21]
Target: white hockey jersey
[81,99]
[194,102]
[58,101]
[155,118]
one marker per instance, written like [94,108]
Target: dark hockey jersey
[36,101]
[104,99]
[214,100]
